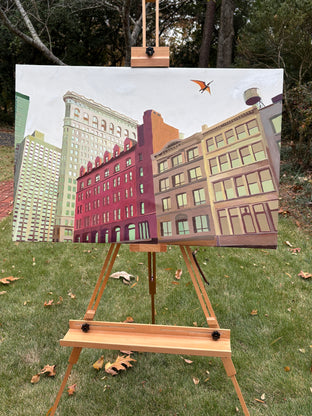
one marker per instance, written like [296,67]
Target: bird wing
[202,84]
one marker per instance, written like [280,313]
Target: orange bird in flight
[203,85]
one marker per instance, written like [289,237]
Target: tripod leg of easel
[231,372]
[152,281]
[73,358]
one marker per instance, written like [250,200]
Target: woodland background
[204,33]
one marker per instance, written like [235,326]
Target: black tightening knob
[85,327]
[216,335]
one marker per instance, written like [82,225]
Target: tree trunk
[226,34]
[207,34]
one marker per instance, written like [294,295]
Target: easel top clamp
[150,56]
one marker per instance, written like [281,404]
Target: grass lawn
[277,338]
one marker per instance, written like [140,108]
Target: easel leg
[231,372]
[152,281]
[72,360]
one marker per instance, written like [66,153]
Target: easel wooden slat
[149,338]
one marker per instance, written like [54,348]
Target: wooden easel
[87,333]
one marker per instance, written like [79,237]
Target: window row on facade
[239,157]
[232,135]
[183,225]
[245,185]
[178,159]
[181,178]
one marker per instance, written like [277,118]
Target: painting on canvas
[153,155]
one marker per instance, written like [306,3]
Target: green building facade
[36,182]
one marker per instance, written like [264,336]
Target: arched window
[126,133]
[118,132]
[116,234]
[134,136]
[103,125]
[76,113]
[111,128]
[94,122]
[116,150]
[89,167]
[131,232]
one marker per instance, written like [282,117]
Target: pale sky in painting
[131,91]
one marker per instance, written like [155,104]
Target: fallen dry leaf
[3,292]
[195,380]
[288,243]
[287,368]
[8,280]
[178,274]
[295,250]
[122,363]
[49,303]
[259,401]
[99,363]
[304,275]
[35,379]
[129,320]
[126,277]
[254,312]
[71,295]
[186,360]
[72,389]
[49,370]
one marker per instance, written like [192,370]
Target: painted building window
[199,196]
[219,140]
[229,136]
[240,186]
[252,127]
[130,176]
[258,151]
[253,183]
[130,230]
[235,221]
[201,223]
[177,160]
[142,208]
[247,220]
[178,179]
[235,161]
[116,234]
[224,222]
[89,182]
[218,191]
[144,233]
[273,208]
[166,228]
[128,162]
[164,184]
[118,131]
[162,166]
[76,113]
[261,218]
[210,144]
[106,173]
[194,174]
[94,122]
[103,125]
[229,189]
[224,163]
[277,124]
[181,200]
[266,181]
[241,132]
[131,210]
[182,226]
[97,178]
[141,172]
[126,133]
[111,128]
[214,168]
[117,167]
[166,204]
[86,117]
[192,154]
[141,188]
[246,155]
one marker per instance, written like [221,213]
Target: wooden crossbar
[148,338]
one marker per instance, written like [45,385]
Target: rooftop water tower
[252,97]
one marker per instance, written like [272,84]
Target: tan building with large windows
[242,166]
[181,194]
[220,186]
[90,129]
